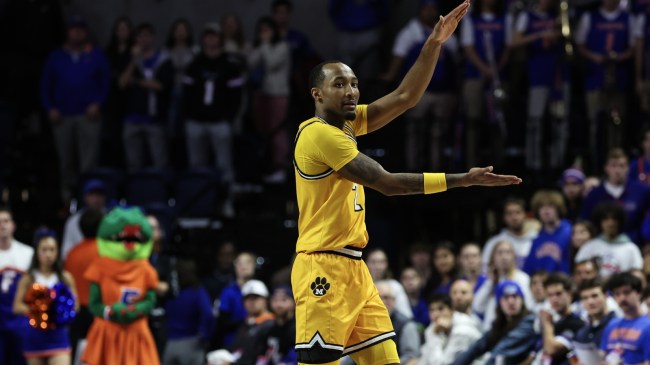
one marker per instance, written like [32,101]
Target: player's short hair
[445,299]
[590,284]
[317,76]
[278,3]
[624,279]
[548,197]
[558,278]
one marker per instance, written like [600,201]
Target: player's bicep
[363,170]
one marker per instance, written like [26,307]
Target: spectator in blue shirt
[640,168]
[551,249]
[74,85]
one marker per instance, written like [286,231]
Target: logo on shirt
[320,286]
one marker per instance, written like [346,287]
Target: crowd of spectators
[560,283]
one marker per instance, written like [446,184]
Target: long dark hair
[238,37]
[502,325]
[41,235]
[189,41]
[266,20]
[113,42]
[436,277]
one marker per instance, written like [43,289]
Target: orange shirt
[77,262]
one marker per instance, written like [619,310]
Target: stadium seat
[147,187]
[198,192]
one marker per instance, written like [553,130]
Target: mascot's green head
[125,235]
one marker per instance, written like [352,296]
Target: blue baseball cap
[508,287]
[94,186]
[283,289]
[573,175]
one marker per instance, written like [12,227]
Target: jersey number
[357,206]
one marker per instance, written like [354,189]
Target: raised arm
[410,90]
[368,172]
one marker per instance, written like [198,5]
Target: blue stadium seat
[148,186]
[198,192]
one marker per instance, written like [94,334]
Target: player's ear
[315,94]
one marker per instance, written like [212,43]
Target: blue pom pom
[64,305]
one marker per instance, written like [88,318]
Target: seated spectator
[537,290]
[511,336]
[588,338]
[557,334]
[625,339]
[223,272]
[640,168]
[449,334]
[406,337]
[470,265]
[584,271]
[413,286]
[419,257]
[190,320]
[581,233]
[614,248]
[377,262]
[462,296]
[551,248]
[572,189]
[445,268]
[502,268]
[94,198]
[514,217]
[282,336]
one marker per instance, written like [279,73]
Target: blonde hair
[548,197]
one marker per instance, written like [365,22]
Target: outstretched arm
[368,172]
[410,90]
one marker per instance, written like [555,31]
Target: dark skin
[337,96]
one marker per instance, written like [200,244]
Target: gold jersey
[331,208]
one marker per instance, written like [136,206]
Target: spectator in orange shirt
[78,260]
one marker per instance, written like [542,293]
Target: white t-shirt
[14,261]
[616,256]
[415,32]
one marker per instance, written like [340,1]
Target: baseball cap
[211,27]
[573,175]
[77,21]
[94,186]
[283,289]
[508,287]
[254,287]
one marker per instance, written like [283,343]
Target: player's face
[627,298]
[514,216]
[461,295]
[411,281]
[593,300]
[537,288]
[444,261]
[579,235]
[437,310]
[470,258]
[282,305]
[616,170]
[339,92]
[511,305]
[7,226]
[47,251]
[548,214]
[558,297]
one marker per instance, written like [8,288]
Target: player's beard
[350,115]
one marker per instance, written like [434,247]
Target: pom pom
[50,308]
[64,313]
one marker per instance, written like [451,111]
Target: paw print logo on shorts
[320,286]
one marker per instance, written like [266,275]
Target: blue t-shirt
[545,66]
[550,250]
[640,169]
[630,337]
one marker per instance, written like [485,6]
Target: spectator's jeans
[426,137]
[77,140]
[137,138]
[360,51]
[538,101]
[270,113]
[206,137]
[187,351]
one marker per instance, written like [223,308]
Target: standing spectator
[612,247]
[551,249]
[514,217]
[118,53]
[413,286]
[213,85]
[377,262]
[470,265]
[536,29]
[359,25]
[633,196]
[222,274]
[48,342]
[94,199]
[15,259]
[282,336]
[449,334]
[640,168]
[588,338]
[234,41]
[488,28]
[407,337]
[558,334]
[511,336]
[445,268]
[605,38]
[75,83]
[270,65]
[615,346]
[77,262]
[426,137]
[148,81]
[572,189]
[190,320]
[501,268]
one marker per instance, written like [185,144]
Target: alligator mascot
[122,292]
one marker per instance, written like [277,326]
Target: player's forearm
[417,78]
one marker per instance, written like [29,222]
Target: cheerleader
[46,294]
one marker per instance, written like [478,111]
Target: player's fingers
[459,9]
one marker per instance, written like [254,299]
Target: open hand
[447,24]
[483,176]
